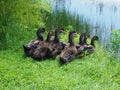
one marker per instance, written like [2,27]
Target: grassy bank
[99,71]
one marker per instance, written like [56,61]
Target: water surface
[102,15]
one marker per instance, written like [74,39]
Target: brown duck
[70,50]
[56,46]
[32,45]
[82,43]
[43,51]
[39,37]
[90,47]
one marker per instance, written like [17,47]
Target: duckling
[39,37]
[82,42]
[32,45]
[91,47]
[70,50]
[43,51]
[86,36]
[56,46]
[80,47]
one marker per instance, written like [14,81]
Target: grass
[98,71]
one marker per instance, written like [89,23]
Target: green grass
[98,71]
[19,19]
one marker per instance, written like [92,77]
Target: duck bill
[53,33]
[26,50]
[62,31]
[87,36]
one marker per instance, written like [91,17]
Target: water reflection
[100,7]
[97,17]
[103,16]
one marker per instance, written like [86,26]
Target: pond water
[102,15]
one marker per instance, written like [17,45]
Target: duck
[70,50]
[86,36]
[49,48]
[80,46]
[82,42]
[39,37]
[56,46]
[32,45]
[43,51]
[91,47]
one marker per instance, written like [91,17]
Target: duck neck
[81,40]
[85,40]
[92,42]
[48,37]
[39,36]
[71,40]
[56,37]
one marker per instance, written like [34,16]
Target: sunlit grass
[96,71]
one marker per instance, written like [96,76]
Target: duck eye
[53,49]
[68,58]
[33,47]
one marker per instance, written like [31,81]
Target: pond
[102,15]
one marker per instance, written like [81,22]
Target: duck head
[65,59]
[28,50]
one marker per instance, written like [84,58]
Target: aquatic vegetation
[115,39]
[115,43]
[64,18]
